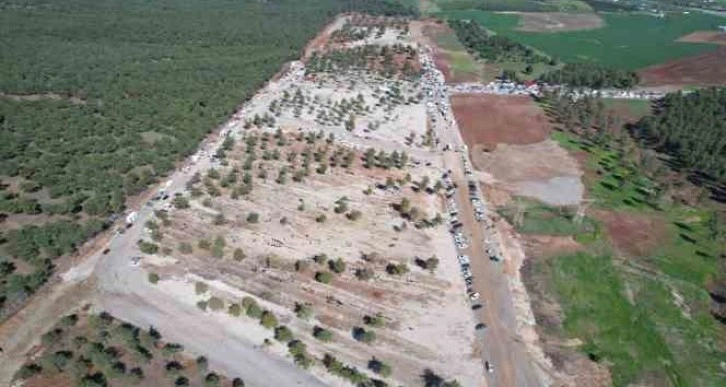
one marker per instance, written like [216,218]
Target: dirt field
[705,69]
[508,140]
[632,234]
[488,120]
[558,22]
[299,177]
[715,37]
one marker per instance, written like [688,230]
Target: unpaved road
[513,364]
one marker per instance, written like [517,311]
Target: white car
[474,296]
[135,261]
[488,366]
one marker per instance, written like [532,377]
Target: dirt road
[501,347]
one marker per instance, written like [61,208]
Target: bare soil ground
[558,22]
[542,170]
[428,321]
[508,139]
[705,69]
[634,235]
[716,37]
[488,120]
[417,334]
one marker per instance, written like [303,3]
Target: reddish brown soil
[633,234]
[549,245]
[707,69]
[558,22]
[320,41]
[57,380]
[492,119]
[716,37]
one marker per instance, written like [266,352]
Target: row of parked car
[460,240]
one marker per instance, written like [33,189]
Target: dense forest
[494,48]
[692,128]
[591,75]
[99,99]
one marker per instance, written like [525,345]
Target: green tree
[268,320]
[322,334]
[324,277]
[283,334]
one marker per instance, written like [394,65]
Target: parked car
[488,366]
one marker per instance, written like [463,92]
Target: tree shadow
[687,238]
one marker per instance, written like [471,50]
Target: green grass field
[628,41]
[626,310]
[515,5]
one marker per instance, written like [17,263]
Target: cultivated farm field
[627,41]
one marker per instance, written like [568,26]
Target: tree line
[591,75]
[494,48]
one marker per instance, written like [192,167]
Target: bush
[379,367]
[148,247]
[283,334]
[185,248]
[363,335]
[254,311]
[204,244]
[238,254]
[268,320]
[376,321]
[322,334]
[202,363]
[303,311]
[321,218]
[237,382]
[430,263]
[234,310]
[396,269]
[211,380]
[364,274]
[180,202]
[324,277]
[215,304]
[27,371]
[200,287]
[253,217]
[354,215]
[202,305]
[337,266]
[153,278]
[320,259]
